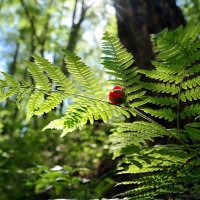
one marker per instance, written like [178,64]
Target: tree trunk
[137,19]
[12,68]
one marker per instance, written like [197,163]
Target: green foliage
[51,87]
[171,170]
[29,159]
[117,61]
[175,79]
[159,161]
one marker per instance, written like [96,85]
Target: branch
[31,19]
[76,26]
[44,32]
[74,13]
[12,67]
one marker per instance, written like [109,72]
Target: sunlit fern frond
[160,171]
[9,86]
[60,81]
[87,110]
[171,169]
[178,48]
[176,77]
[119,65]
[134,135]
[50,89]
[83,75]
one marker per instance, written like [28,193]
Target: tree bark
[12,68]
[137,19]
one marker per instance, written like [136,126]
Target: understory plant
[158,152]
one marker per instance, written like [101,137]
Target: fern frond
[160,170]
[136,96]
[133,134]
[195,69]
[83,75]
[54,73]
[192,130]
[191,110]
[194,82]
[53,99]
[8,87]
[165,113]
[161,87]
[118,63]
[41,80]
[7,94]
[117,59]
[178,48]
[10,80]
[84,110]
[193,94]
[163,101]
[55,124]
[159,75]
[34,103]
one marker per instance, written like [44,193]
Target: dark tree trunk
[12,68]
[137,19]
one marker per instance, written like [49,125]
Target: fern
[191,110]
[134,134]
[8,86]
[165,113]
[118,63]
[83,75]
[163,101]
[168,168]
[162,171]
[34,103]
[176,74]
[41,80]
[43,72]
[82,111]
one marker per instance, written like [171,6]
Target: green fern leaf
[34,103]
[192,70]
[55,124]
[41,80]
[191,110]
[83,75]
[191,83]
[117,59]
[55,73]
[11,80]
[133,134]
[82,111]
[193,94]
[161,87]
[8,94]
[165,113]
[159,75]
[163,101]
[53,99]
[192,130]
[136,96]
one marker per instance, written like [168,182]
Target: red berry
[117,95]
